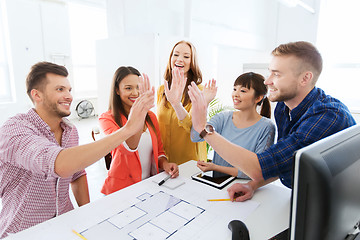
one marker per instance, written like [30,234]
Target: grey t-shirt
[255,138]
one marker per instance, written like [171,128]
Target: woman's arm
[133,141]
[267,137]
[175,93]
[170,168]
[80,190]
[209,166]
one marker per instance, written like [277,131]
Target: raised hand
[209,91]
[178,83]
[144,84]
[140,107]
[199,107]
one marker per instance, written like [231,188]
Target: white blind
[5,84]
[87,25]
[339,44]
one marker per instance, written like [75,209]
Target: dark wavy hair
[256,81]
[115,104]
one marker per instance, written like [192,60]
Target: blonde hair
[306,52]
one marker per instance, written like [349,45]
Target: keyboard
[284,235]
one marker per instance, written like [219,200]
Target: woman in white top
[141,155]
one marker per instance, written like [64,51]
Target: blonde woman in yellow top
[174,106]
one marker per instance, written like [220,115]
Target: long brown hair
[256,81]
[193,75]
[115,104]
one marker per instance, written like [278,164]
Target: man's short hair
[304,51]
[36,78]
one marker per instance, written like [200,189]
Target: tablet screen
[215,179]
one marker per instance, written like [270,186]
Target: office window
[5,82]
[87,25]
[338,42]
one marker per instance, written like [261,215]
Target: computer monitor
[326,187]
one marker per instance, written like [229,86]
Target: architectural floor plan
[156,216]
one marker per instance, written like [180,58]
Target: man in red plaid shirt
[40,156]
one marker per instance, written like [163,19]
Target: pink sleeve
[23,146]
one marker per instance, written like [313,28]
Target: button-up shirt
[30,190]
[316,117]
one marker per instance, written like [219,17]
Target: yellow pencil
[216,200]
[79,235]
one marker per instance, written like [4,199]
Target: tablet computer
[213,178]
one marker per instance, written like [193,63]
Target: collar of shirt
[297,112]
[65,124]
[286,118]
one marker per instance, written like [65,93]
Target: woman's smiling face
[181,57]
[128,91]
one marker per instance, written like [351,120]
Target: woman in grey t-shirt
[244,126]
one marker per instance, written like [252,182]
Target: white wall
[298,24]
[115,52]
[227,34]
[37,30]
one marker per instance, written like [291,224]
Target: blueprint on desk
[154,216]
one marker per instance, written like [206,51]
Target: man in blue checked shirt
[304,114]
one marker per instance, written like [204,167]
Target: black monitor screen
[326,187]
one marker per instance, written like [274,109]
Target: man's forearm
[71,160]
[241,158]
[257,184]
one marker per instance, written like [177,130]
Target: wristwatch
[207,130]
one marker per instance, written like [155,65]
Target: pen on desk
[164,180]
[218,200]
[79,235]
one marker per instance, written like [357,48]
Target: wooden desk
[269,218]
